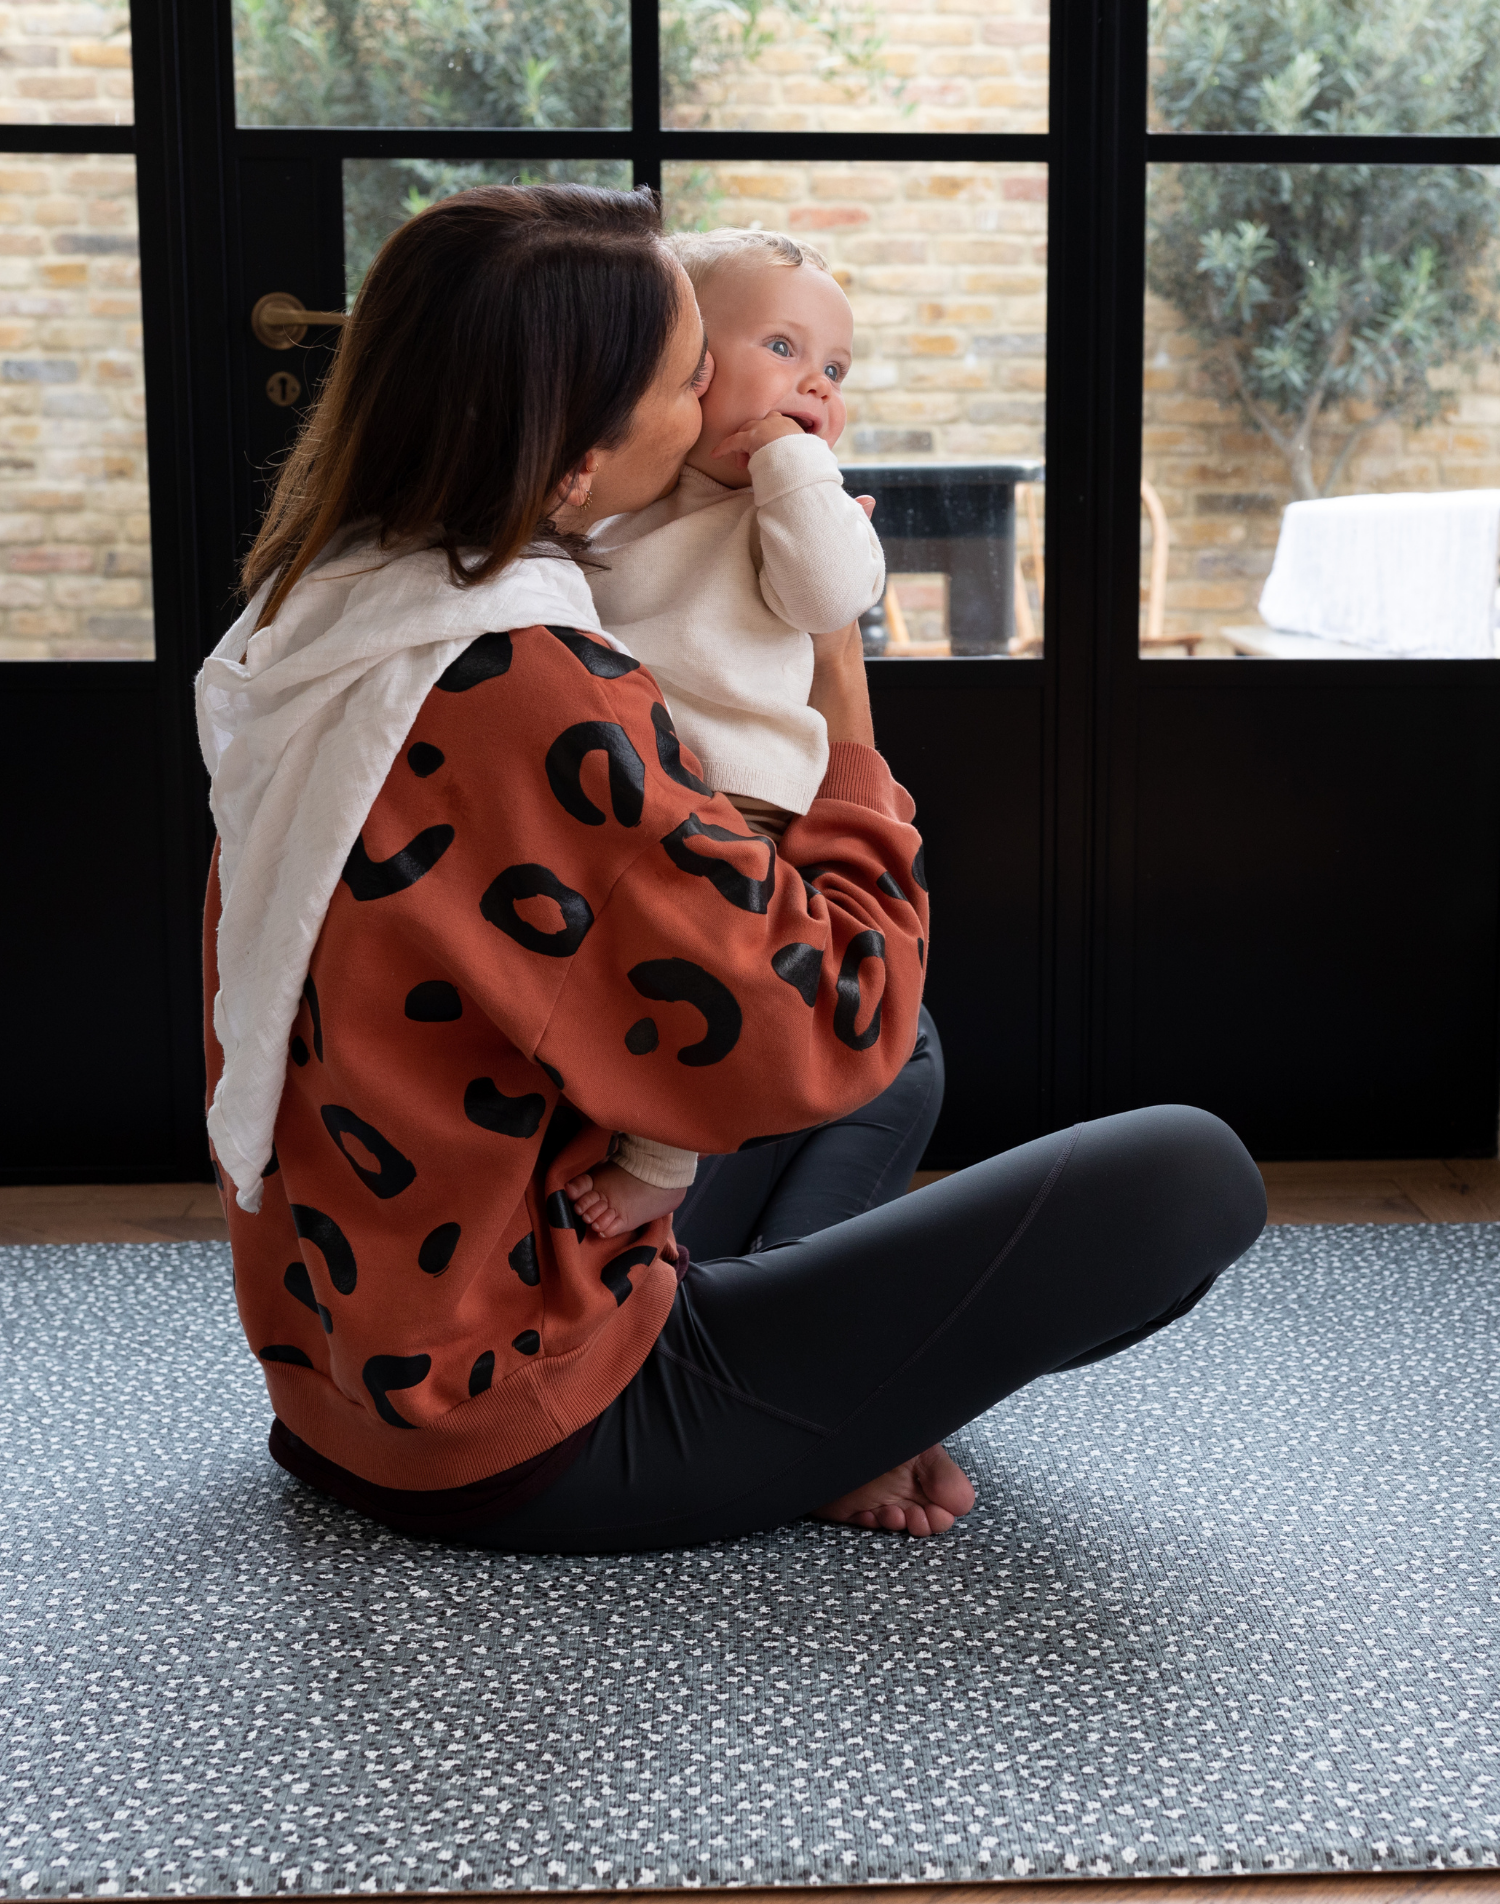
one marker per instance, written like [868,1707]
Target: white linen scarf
[300,724]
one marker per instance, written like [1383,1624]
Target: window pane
[1328,66]
[75,547]
[540,63]
[877,65]
[380,194]
[62,64]
[1321,449]
[945,266]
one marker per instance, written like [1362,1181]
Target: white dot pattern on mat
[1229,1602]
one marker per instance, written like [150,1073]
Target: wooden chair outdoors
[1027,640]
[1155,592]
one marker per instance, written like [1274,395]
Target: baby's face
[782,341]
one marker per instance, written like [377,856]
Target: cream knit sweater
[716,590]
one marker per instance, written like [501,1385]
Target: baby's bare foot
[925,1495]
[611,1201]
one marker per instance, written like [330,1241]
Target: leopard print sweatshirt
[549,930]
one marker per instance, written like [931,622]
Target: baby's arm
[642,1181]
[821,561]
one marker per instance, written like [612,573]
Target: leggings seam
[978,1284]
[875,1188]
[739,1395]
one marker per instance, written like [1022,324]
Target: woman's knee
[1197,1180]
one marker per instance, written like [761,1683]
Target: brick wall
[74,530]
[65,64]
[939,66]
[75,552]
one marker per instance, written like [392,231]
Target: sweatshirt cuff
[859,775]
[790,463]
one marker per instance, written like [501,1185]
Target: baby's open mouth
[810,424]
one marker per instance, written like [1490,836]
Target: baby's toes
[579,1187]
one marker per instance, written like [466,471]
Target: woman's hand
[840,692]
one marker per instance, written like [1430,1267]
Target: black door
[1198,869]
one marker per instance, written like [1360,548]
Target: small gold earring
[587,504]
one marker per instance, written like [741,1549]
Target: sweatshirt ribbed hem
[782,787]
[858,774]
[534,1409]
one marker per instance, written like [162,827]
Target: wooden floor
[1427,1190]
[1416,1887]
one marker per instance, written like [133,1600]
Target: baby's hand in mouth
[755,435]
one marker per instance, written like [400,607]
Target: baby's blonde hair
[703,254]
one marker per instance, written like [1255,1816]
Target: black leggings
[833,1327]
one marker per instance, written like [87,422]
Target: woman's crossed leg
[787,1377]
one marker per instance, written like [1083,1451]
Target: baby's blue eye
[781,346]
[832,372]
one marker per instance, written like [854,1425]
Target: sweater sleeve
[821,560]
[729,994]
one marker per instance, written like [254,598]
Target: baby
[720,584]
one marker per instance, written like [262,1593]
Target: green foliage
[380,194]
[522,63]
[432,63]
[1329,293]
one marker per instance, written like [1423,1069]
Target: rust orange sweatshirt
[548,931]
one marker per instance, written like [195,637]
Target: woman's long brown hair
[499,336]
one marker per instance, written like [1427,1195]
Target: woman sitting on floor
[472,913]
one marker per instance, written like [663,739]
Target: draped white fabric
[299,725]
[1408,574]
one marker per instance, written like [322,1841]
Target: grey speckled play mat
[1229,1602]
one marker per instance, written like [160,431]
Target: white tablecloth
[1408,574]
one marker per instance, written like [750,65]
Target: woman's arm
[840,690]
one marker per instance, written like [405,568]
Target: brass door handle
[280,320]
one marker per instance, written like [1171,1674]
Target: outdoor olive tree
[1329,295]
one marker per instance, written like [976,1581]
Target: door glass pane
[1399,67]
[62,64]
[75,546]
[873,65]
[542,63]
[945,267]
[380,194]
[1321,447]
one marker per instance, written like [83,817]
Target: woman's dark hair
[499,336]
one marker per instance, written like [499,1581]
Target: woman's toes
[944,1482]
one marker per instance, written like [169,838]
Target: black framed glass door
[1268,886]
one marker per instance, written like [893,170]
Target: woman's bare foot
[925,1495]
[611,1201]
